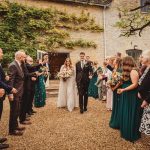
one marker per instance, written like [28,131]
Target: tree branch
[146,4]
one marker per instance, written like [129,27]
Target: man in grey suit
[16,74]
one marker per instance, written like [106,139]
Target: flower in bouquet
[65,74]
[115,79]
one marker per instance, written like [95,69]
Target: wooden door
[56,60]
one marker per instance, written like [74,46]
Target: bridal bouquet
[115,79]
[65,74]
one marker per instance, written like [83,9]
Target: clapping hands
[14,91]
[2,92]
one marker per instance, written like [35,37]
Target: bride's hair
[65,63]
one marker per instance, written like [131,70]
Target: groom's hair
[82,53]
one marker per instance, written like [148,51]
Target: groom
[83,71]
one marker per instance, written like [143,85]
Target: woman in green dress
[114,120]
[40,91]
[130,104]
[93,89]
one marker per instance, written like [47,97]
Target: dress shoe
[27,119]
[2,140]
[20,128]
[28,116]
[33,112]
[16,133]
[85,109]
[26,123]
[4,146]
[30,113]
[81,111]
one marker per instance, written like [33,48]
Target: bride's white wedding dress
[67,95]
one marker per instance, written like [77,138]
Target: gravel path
[58,129]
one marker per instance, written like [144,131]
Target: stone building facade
[108,42]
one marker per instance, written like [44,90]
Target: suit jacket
[82,74]
[16,78]
[30,72]
[3,83]
[144,88]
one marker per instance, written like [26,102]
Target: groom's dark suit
[82,80]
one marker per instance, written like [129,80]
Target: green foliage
[131,21]
[28,28]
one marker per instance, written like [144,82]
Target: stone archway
[56,60]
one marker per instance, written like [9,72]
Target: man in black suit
[16,74]
[83,72]
[31,82]
[4,87]
[30,73]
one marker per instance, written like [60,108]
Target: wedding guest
[109,90]
[16,74]
[28,76]
[93,89]
[118,55]
[116,77]
[130,105]
[99,84]
[47,65]
[4,87]
[88,60]
[83,71]
[40,91]
[31,83]
[144,93]
[67,96]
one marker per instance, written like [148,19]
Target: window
[145,9]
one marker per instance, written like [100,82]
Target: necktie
[82,64]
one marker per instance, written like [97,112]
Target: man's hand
[14,91]
[144,104]
[90,77]
[2,92]
[139,96]
[33,79]
[11,97]
[7,78]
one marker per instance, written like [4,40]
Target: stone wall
[114,43]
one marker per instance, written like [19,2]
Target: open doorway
[56,60]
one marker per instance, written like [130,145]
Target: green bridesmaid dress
[40,92]
[93,89]
[130,114]
[114,120]
[115,116]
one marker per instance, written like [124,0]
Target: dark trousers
[83,95]
[83,101]
[1,108]
[24,104]
[30,104]
[14,114]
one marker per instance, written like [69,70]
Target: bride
[67,95]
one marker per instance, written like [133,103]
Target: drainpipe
[104,25]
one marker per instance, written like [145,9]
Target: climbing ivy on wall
[30,28]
